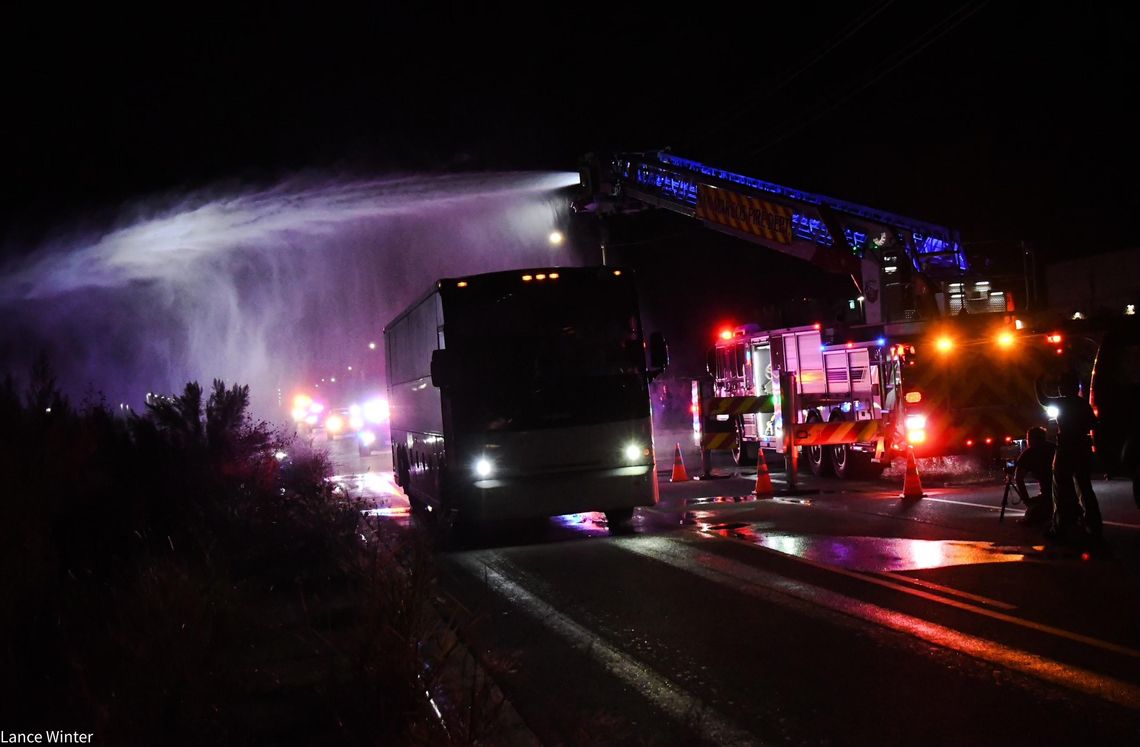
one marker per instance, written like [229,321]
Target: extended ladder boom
[839,236]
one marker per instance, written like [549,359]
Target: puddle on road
[874,554]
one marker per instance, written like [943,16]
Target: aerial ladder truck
[915,373]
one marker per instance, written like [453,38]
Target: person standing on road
[1036,460]
[1073,463]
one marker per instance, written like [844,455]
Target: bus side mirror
[658,353]
[710,362]
[442,369]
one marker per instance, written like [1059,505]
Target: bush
[174,577]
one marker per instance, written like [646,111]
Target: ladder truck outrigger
[916,372]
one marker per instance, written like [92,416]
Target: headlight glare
[633,452]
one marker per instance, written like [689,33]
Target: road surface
[842,615]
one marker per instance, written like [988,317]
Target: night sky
[1010,121]
[1005,119]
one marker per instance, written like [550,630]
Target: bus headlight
[367,438]
[634,452]
[484,467]
[1052,411]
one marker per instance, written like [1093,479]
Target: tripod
[1009,486]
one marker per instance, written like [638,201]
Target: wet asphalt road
[840,616]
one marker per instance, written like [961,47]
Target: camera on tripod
[1010,467]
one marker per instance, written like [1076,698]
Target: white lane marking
[948,590]
[992,507]
[658,690]
[778,589]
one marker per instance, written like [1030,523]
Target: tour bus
[524,393]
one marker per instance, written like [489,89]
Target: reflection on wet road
[379,492]
[875,554]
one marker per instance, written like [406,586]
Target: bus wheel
[619,518]
[815,456]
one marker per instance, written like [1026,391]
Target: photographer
[1073,464]
[1036,460]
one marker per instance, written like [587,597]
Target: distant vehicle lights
[376,411]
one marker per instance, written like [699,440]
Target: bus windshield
[550,355]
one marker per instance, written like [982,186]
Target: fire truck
[957,389]
[935,359]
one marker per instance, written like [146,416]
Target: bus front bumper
[554,494]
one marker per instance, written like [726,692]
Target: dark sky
[1007,119]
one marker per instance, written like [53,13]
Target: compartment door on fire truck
[803,355]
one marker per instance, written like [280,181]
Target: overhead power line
[936,32]
[785,80]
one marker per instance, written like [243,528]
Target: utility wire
[936,32]
[787,78]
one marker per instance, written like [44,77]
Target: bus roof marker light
[553,276]
[461,284]
[527,278]
[540,276]
[617,272]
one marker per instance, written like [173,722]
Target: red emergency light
[725,334]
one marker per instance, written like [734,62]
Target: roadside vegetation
[191,576]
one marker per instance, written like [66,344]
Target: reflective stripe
[738,405]
[838,432]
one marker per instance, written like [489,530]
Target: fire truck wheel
[850,464]
[815,455]
[743,452]
[846,462]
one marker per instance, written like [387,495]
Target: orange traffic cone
[912,486]
[764,487]
[679,473]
